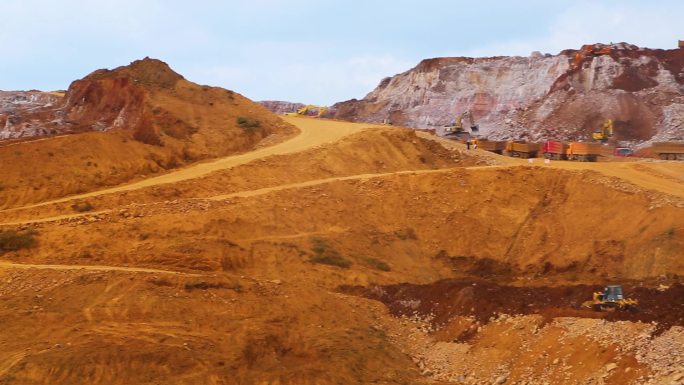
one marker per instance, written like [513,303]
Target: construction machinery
[554,149]
[611,298]
[623,152]
[456,129]
[589,51]
[491,145]
[583,152]
[522,149]
[309,110]
[605,132]
[669,150]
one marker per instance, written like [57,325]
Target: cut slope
[565,96]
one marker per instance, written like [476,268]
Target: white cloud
[651,25]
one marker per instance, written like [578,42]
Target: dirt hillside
[373,256]
[117,125]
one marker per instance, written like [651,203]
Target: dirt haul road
[313,133]
[665,177]
[668,178]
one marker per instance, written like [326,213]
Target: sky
[315,52]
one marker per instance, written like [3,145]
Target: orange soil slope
[154,121]
[262,308]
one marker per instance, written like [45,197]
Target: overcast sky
[309,51]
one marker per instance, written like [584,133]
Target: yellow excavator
[611,298]
[456,129]
[309,110]
[605,132]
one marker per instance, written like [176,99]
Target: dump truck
[522,149]
[669,150]
[583,152]
[491,145]
[553,149]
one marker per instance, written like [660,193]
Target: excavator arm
[605,132]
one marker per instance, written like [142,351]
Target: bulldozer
[605,132]
[456,129]
[611,298]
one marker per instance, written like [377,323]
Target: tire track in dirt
[12,265]
[267,190]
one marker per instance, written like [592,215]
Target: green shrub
[248,124]
[376,263]
[325,255]
[332,260]
[12,240]
[203,285]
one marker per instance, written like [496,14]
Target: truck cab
[623,152]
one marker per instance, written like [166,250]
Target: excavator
[309,110]
[611,298]
[605,132]
[456,129]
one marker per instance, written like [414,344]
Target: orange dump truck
[491,145]
[584,152]
[669,150]
[522,149]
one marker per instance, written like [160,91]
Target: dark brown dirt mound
[151,72]
[445,299]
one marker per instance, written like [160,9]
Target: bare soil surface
[229,272]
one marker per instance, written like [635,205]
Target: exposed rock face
[281,107]
[27,100]
[14,104]
[565,96]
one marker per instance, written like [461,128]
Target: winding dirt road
[662,176]
[666,177]
[313,133]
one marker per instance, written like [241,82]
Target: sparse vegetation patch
[16,240]
[248,124]
[325,255]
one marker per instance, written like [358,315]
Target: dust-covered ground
[380,257]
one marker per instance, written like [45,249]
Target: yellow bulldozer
[611,298]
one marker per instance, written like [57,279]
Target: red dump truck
[584,152]
[491,145]
[522,149]
[669,150]
[553,149]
